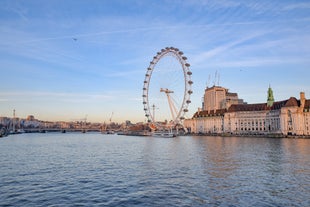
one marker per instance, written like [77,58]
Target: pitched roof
[292,102]
[247,107]
[263,106]
[218,112]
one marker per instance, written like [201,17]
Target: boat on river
[164,134]
[3,132]
[108,132]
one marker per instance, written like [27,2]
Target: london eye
[167,88]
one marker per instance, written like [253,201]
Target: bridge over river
[63,130]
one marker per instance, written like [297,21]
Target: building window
[290,120]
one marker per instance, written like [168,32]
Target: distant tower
[270,98]
[13,122]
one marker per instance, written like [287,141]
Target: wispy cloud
[48,52]
[301,5]
[211,4]
[24,96]
[4,99]
[93,34]
[258,62]
[16,9]
[124,73]
[204,56]
[30,95]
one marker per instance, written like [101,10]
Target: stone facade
[217,97]
[288,117]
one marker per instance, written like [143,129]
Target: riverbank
[253,135]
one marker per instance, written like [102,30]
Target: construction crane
[84,124]
[108,130]
[81,120]
[111,118]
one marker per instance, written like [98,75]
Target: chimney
[302,99]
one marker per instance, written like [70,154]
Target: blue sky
[47,73]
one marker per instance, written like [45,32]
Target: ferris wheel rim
[179,55]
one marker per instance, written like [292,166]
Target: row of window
[254,124]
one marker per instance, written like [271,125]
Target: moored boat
[3,132]
[164,134]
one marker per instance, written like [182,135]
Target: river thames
[93,169]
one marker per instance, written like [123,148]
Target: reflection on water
[110,170]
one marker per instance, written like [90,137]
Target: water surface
[75,169]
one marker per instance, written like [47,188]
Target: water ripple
[100,170]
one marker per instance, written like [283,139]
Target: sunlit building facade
[223,114]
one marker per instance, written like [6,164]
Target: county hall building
[223,112]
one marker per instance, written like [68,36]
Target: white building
[223,114]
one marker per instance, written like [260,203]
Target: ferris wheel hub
[166,90]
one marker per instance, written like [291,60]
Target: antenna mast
[13,121]
[154,107]
[215,78]
[208,82]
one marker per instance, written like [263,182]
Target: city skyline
[65,60]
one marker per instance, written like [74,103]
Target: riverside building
[223,112]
